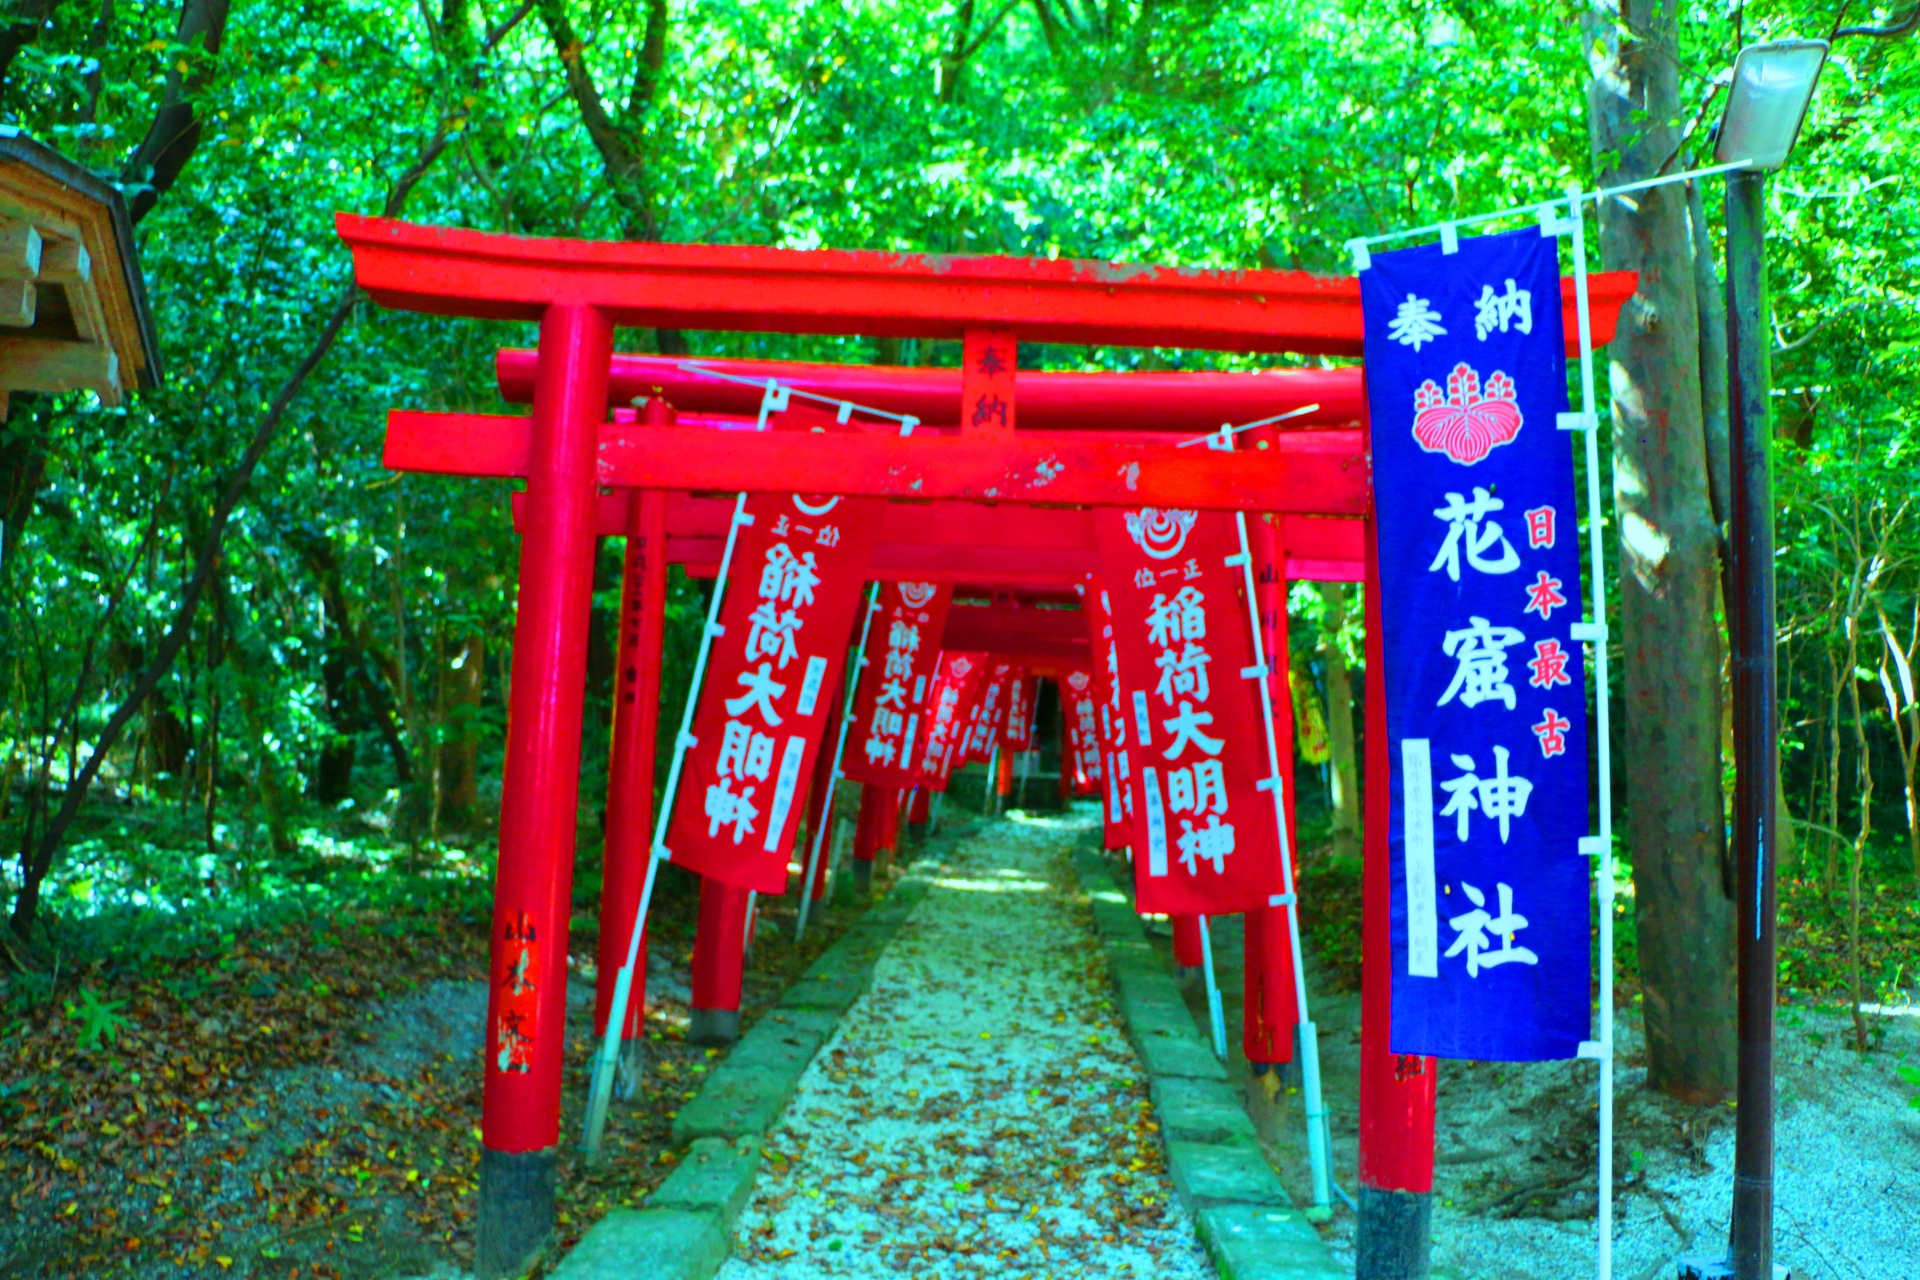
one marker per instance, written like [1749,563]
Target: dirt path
[979,1111]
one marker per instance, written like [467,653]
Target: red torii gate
[579,291]
[943,542]
[1035,546]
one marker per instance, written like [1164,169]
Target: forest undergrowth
[288,1084]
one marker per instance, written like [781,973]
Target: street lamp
[1767,101]
[1772,86]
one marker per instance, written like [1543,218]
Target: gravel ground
[979,1111]
[1847,1147]
[1515,1144]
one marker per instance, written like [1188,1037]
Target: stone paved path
[979,1111]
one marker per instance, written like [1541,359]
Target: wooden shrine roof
[73,306]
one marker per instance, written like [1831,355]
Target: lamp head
[1772,87]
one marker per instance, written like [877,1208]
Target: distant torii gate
[942,542]
[579,291]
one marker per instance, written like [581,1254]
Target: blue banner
[1486,692]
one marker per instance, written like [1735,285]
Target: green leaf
[98,1018]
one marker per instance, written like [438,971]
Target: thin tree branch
[1904,26]
[174,134]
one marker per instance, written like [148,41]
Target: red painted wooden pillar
[866,831]
[922,812]
[1186,941]
[1270,1010]
[719,958]
[1003,781]
[1396,1090]
[890,821]
[533,883]
[636,722]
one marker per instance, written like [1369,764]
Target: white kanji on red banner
[990,712]
[951,697]
[1188,713]
[792,595]
[1081,707]
[890,712]
[1017,733]
[1116,764]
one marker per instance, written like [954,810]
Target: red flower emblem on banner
[1160,534]
[1464,423]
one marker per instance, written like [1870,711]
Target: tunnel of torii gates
[623,444]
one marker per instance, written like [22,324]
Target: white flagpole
[1317,1133]
[992,805]
[1601,846]
[858,662]
[1216,1017]
[605,1063]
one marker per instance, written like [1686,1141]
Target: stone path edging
[1246,1220]
[684,1231]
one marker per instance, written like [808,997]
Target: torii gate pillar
[1396,1089]
[636,722]
[527,1005]
[1270,1008]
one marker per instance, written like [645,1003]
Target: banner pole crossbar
[778,393]
[1359,245]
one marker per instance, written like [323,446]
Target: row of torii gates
[655,448]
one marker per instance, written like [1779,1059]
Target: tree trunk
[175,132]
[1669,567]
[1346,787]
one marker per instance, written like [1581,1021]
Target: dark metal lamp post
[1772,86]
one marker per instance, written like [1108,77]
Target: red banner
[1080,705]
[889,717]
[792,596]
[1206,841]
[989,712]
[1022,694]
[950,699]
[1116,804]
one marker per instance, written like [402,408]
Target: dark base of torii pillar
[919,817]
[516,1210]
[719,962]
